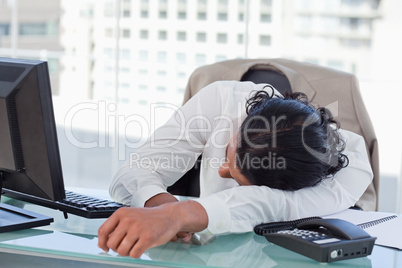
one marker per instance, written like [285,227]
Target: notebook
[387,227]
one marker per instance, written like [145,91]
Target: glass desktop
[75,240]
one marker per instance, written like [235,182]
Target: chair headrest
[277,80]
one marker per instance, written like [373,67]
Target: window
[221,38]
[311,60]
[108,52]
[4,29]
[161,89]
[33,29]
[125,54]
[124,100]
[180,90]
[126,13]
[125,70]
[181,15]
[87,13]
[143,55]
[162,56]
[144,14]
[222,16]
[353,23]
[201,37]
[126,33]
[162,14]
[162,35]
[265,40]
[328,24]
[352,3]
[125,85]
[200,59]
[266,3]
[143,87]
[240,38]
[143,72]
[143,34]
[181,36]
[335,64]
[220,58]
[305,22]
[143,103]
[108,84]
[265,17]
[181,75]
[354,43]
[240,16]
[161,73]
[181,57]
[201,16]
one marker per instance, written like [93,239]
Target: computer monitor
[29,152]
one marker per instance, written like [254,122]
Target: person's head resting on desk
[284,143]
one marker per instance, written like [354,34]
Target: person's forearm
[191,215]
[131,231]
[160,199]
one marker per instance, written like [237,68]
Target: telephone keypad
[305,234]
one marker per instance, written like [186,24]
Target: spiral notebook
[387,227]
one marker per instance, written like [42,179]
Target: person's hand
[131,231]
[184,236]
[164,198]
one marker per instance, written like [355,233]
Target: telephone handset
[324,240]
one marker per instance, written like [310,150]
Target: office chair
[336,90]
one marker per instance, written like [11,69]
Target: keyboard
[87,206]
[74,203]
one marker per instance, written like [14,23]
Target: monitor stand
[14,218]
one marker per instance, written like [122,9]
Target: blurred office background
[119,68]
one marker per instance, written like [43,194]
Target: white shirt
[204,125]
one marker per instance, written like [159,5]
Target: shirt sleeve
[239,209]
[171,150]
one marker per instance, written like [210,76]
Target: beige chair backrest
[325,87]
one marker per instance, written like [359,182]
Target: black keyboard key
[90,204]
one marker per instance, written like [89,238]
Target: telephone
[324,240]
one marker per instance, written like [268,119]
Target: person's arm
[138,185]
[239,209]
[131,231]
[167,155]
[160,199]
[173,149]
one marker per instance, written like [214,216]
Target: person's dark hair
[285,143]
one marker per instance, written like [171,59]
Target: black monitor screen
[29,151]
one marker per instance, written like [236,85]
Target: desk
[73,243]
